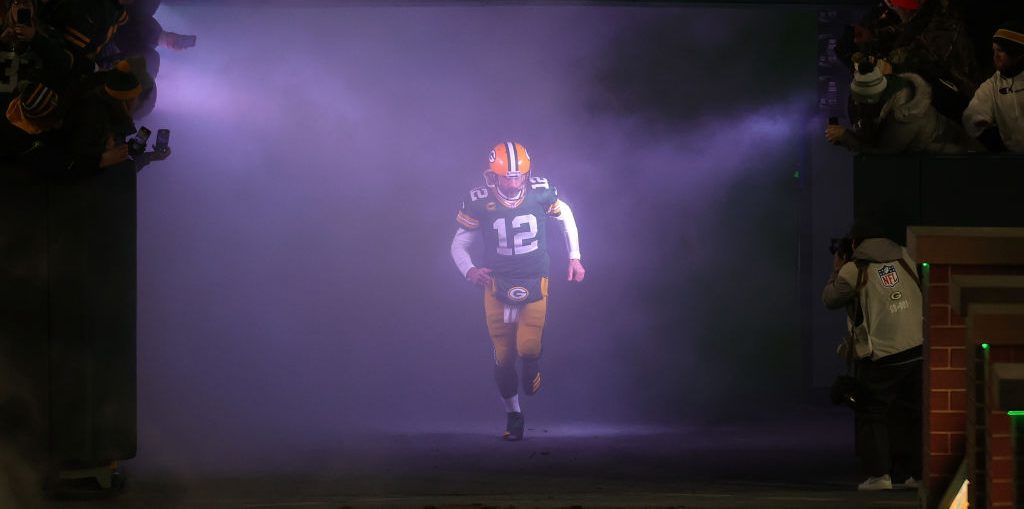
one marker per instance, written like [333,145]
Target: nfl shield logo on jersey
[888,276]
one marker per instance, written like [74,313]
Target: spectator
[896,116]
[34,111]
[35,60]
[995,115]
[880,288]
[32,119]
[86,27]
[138,40]
[930,40]
[100,120]
[860,37]
[35,57]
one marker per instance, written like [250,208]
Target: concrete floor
[804,462]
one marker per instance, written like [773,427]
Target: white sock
[512,404]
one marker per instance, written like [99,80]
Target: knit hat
[37,101]
[33,110]
[910,5]
[1010,37]
[120,83]
[868,83]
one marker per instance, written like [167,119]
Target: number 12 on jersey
[523,241]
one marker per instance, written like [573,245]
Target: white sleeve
[461,244]
[572,235]
[979,110]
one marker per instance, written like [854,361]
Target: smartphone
[188,41]
[833,120]
[137,144]
[24,16]
[163,137]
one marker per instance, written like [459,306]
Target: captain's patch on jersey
[888,276]
[517,293]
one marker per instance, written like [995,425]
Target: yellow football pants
[522,339]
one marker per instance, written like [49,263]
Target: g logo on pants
[517,293]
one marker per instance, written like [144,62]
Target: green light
[796,174]
[984,346]
[1015,413]
[925,265]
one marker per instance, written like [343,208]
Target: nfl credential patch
[888,276]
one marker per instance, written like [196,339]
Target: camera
[845,391]
[137,145]
[842,247]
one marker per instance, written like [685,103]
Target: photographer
[878,285]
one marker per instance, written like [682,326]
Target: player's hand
[834,132]
[576,270]
[480,276]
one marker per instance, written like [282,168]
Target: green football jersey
[515,238]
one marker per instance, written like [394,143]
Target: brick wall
[999,455]
[959,258]
[945,384]
[955,381]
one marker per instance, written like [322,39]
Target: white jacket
[999,101]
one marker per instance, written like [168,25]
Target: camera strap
[862,279]
[856,317]
[857,311]
[910,272]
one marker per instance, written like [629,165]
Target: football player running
[509,215]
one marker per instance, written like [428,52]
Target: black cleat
[515,426]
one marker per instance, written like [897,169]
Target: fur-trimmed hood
[910,104]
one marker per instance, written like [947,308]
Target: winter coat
[934,44]
[86,27]
[999,102]
[889,296]
[908,122]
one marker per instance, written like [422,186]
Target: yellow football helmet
[507,171]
